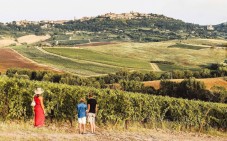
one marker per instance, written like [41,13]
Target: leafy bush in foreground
[114,106]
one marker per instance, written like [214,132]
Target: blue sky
[193,11]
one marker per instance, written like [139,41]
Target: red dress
[39,113]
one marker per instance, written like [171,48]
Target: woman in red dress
[39,108]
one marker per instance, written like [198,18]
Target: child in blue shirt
[81,109]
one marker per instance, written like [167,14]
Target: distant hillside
[222,28]
[142,27]
[131,26]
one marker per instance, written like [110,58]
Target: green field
[183,58]
[102,59]
[80,68]
[110,59]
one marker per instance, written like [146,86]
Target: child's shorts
[82,120]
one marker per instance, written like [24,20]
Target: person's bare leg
[91,124]
[84,128]
[80,130]
[93,127]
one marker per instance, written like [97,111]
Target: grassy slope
[111,59]
[65,64]
[131,55]
[182,57]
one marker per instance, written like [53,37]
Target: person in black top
[92,110]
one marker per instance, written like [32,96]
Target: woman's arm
[41,102]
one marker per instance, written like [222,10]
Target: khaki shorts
[91,117]
[82,120]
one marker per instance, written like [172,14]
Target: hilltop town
[127,16]
[44,24]
[112,16]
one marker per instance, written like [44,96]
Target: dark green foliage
[72,42]
[137,76]
[218,94]
[168,88]
[131,86]
[190,88]
[218,70]
[53,77]
[163,62]
[176,74]
[17,31]
[150,76]
[186,46]
[129,76]
[154,29]
[114,106]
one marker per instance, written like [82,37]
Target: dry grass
[7,42]
[58,132]
[29,39]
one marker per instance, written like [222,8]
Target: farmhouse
[210,27]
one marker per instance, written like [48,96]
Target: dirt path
[155,67]
[52,134]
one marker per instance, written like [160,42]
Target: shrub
[114,106]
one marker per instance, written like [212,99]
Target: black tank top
[92,103]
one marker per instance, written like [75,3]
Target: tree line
[124,80]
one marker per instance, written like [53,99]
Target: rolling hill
[111,42]
[132,26]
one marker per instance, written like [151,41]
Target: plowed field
[11,59]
